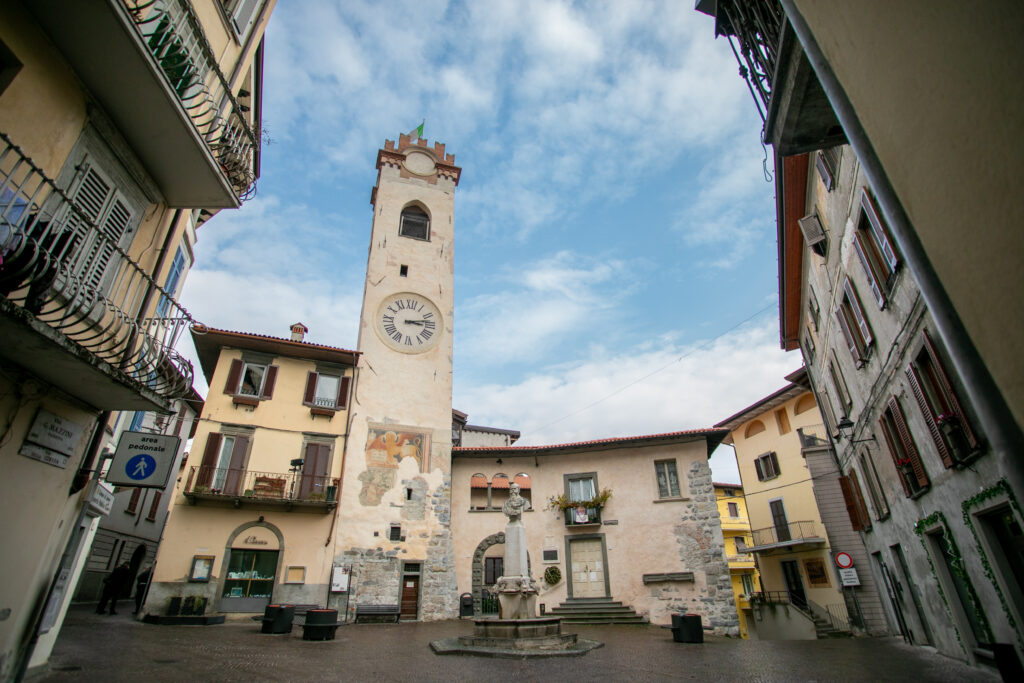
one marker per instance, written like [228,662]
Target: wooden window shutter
[133,503]
[929,416]
[879,230]
[858,313]
[343,386]
[876,286]
[851,506]
[310,388]
[851,344]
[858,497]
[180,420]
[775,463]
[268,383]
[947,388]
[757,468]
[154,507]
[908,442]
[234,377]
[891,440]
[209,463]
[824,171]
[236,465]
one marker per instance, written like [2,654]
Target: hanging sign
[143,460]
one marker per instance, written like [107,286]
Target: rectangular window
[947,422]
[741,544]
[827,164]
[734,509]
[243,15]
[875,249]
[252,379]
[136,423]
[395,533]
[583,488]
[493,567]
[855,507]
[326,390]
[171,284]
[813,309]
[668,479]
[903,450]
[854,324]
[766,466]
[878,501]
[748,584]
[839,382]
[154,506]
[414,223]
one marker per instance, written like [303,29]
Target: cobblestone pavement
[116,648]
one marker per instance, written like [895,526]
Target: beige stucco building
[124,125]
[732,511]
[653,548]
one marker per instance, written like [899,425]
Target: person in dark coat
[113,586]
[141,584]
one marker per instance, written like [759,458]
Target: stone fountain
[518,631]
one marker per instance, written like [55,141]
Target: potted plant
[561,502]
[316,495]
[249,493]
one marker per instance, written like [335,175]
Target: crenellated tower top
[415,158]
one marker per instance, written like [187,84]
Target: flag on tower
[417,131]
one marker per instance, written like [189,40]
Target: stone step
[637,620]
[591,608]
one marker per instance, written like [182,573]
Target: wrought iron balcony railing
[65,270]
[175,37]
[812,437]
[784,533]
[283,487]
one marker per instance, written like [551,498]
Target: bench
[377,611]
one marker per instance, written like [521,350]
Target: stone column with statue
[517,591]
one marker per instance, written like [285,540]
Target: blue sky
[614,226]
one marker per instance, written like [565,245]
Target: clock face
[408,322]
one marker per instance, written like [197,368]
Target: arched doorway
[478,568]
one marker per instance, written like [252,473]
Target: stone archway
[478,568]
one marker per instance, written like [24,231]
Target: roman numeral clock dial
[409,323]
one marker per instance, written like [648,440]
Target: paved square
[115,648]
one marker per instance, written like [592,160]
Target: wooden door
[794,585]
[410,596]
[587,564]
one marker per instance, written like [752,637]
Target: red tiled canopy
[523,480]
[499,482]
[478,481]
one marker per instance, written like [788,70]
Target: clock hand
[414,322]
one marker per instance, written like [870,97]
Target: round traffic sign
[140,466]
[843,560]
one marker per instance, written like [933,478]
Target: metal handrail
[241,483]
[64,269]
[175,37]
[757,27]
[782,533]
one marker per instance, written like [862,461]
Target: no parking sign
[143,460]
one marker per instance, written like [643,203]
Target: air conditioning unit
[814,234]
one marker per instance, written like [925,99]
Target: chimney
[298,331]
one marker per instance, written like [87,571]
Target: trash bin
[687,628]
[320,624]
[466,605]
[278,619]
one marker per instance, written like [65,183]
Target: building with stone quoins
[732,511]
[124,126]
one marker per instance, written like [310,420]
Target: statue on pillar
[517,591]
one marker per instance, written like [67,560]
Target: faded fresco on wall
[386,448]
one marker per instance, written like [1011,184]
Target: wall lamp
[846,425]
[499,461]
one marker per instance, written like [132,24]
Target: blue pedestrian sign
[139,467]
[143,460]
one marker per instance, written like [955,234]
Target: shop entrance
[249,581]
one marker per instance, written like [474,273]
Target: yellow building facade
[124,125]
[732,511]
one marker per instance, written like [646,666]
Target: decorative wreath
[552,575]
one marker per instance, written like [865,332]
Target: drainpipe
[998,423]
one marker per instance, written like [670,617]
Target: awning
[478,481]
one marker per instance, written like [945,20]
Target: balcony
[793,537]
[150,65]
[246,488]
[812,437]
[581,516]
[77,311]
[797,115]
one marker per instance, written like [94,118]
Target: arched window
[499,490]
[415,223]
[755,427]
[805,403]
[478,492]
[523,479]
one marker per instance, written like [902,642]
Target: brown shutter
[236,465]
[879,230]
[851,506]
[929,416]
[858,313]
[234,376]
[307,482]
[154,507]
[209,463]
[343,392]
[876,286]
[180,419]
[947,387]
[133,503]
[310,388]
[848,336]
[268,383]
[757,468]
[858,496]
[775,463]
[908,442]
[890,440]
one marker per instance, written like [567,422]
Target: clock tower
[394,515]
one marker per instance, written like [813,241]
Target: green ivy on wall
[1001,488]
